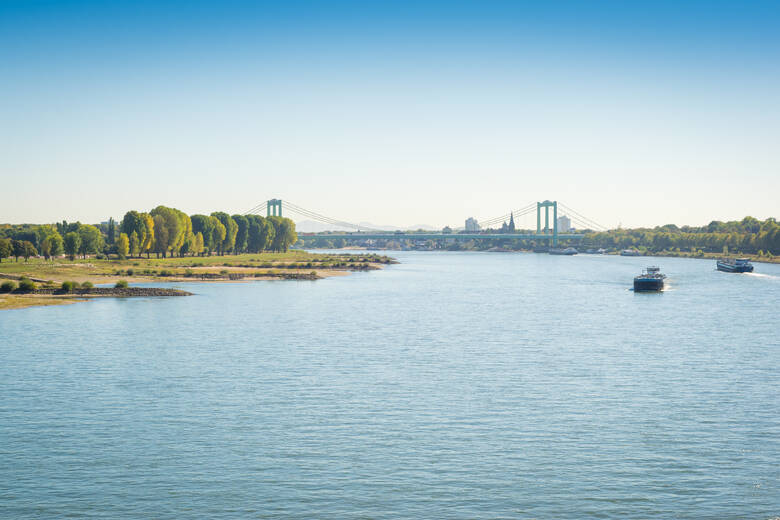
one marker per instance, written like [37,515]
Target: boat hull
[733,268]
[648,284]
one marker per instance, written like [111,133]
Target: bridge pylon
[547,205]
[274,208]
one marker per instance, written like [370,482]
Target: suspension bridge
[545,230]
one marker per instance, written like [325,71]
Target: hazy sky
[640,113]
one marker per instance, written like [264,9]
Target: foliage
[91,240]
[68,286]
[172,229]
[6,248]
[231,230]
[242,235]
[23,248]
[111,235]
[86,285]
[7,286]
[123,245]
[121,284]
[284,235]
[52,246]
[746,236]
[202,225]
[261,234]
[26,285]
[197,248]
[72,244]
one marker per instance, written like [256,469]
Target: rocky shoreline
[110,291]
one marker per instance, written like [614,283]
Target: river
[451,385]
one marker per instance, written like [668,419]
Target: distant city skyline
[393,113]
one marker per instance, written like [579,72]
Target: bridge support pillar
[546,232]
[274,208]
[538,218]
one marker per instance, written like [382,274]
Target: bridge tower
[546,205]
[274,208]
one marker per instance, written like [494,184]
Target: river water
[452,385]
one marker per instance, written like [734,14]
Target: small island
[47,264]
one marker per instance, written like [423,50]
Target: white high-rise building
[472,224]
[564,224]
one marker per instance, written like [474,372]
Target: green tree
[218,234]
[204,225]
[6,248]
[186,238]
[160,236]
[28,250]
[91,240]
[134,245]
[111,235]
[284,235]
[18,248]
[170,229]
[123,245]
[72,244]
[133,221]
[198,247]
[242,236]
[231,230]
[52,246]
[261,234]
[147,241]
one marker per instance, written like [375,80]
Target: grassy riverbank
[293,265]
[20,301]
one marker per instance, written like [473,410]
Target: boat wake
[763,275]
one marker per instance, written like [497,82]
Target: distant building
[564,224]
[509,228]
[472,224]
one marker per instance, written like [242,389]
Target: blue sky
[391,112]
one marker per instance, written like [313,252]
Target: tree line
[162,231]
[749,236]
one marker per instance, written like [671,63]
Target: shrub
[7,286]
[121,284]
[188,272]
[130,272]
[86,285]
[165,272]
[26,285]
[223,271]
[68,286]
[100,256]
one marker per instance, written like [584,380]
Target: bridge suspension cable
[487,223]
[325,219]
[582,219]
[260,208]
[318,217]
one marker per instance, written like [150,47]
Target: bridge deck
[430,236]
